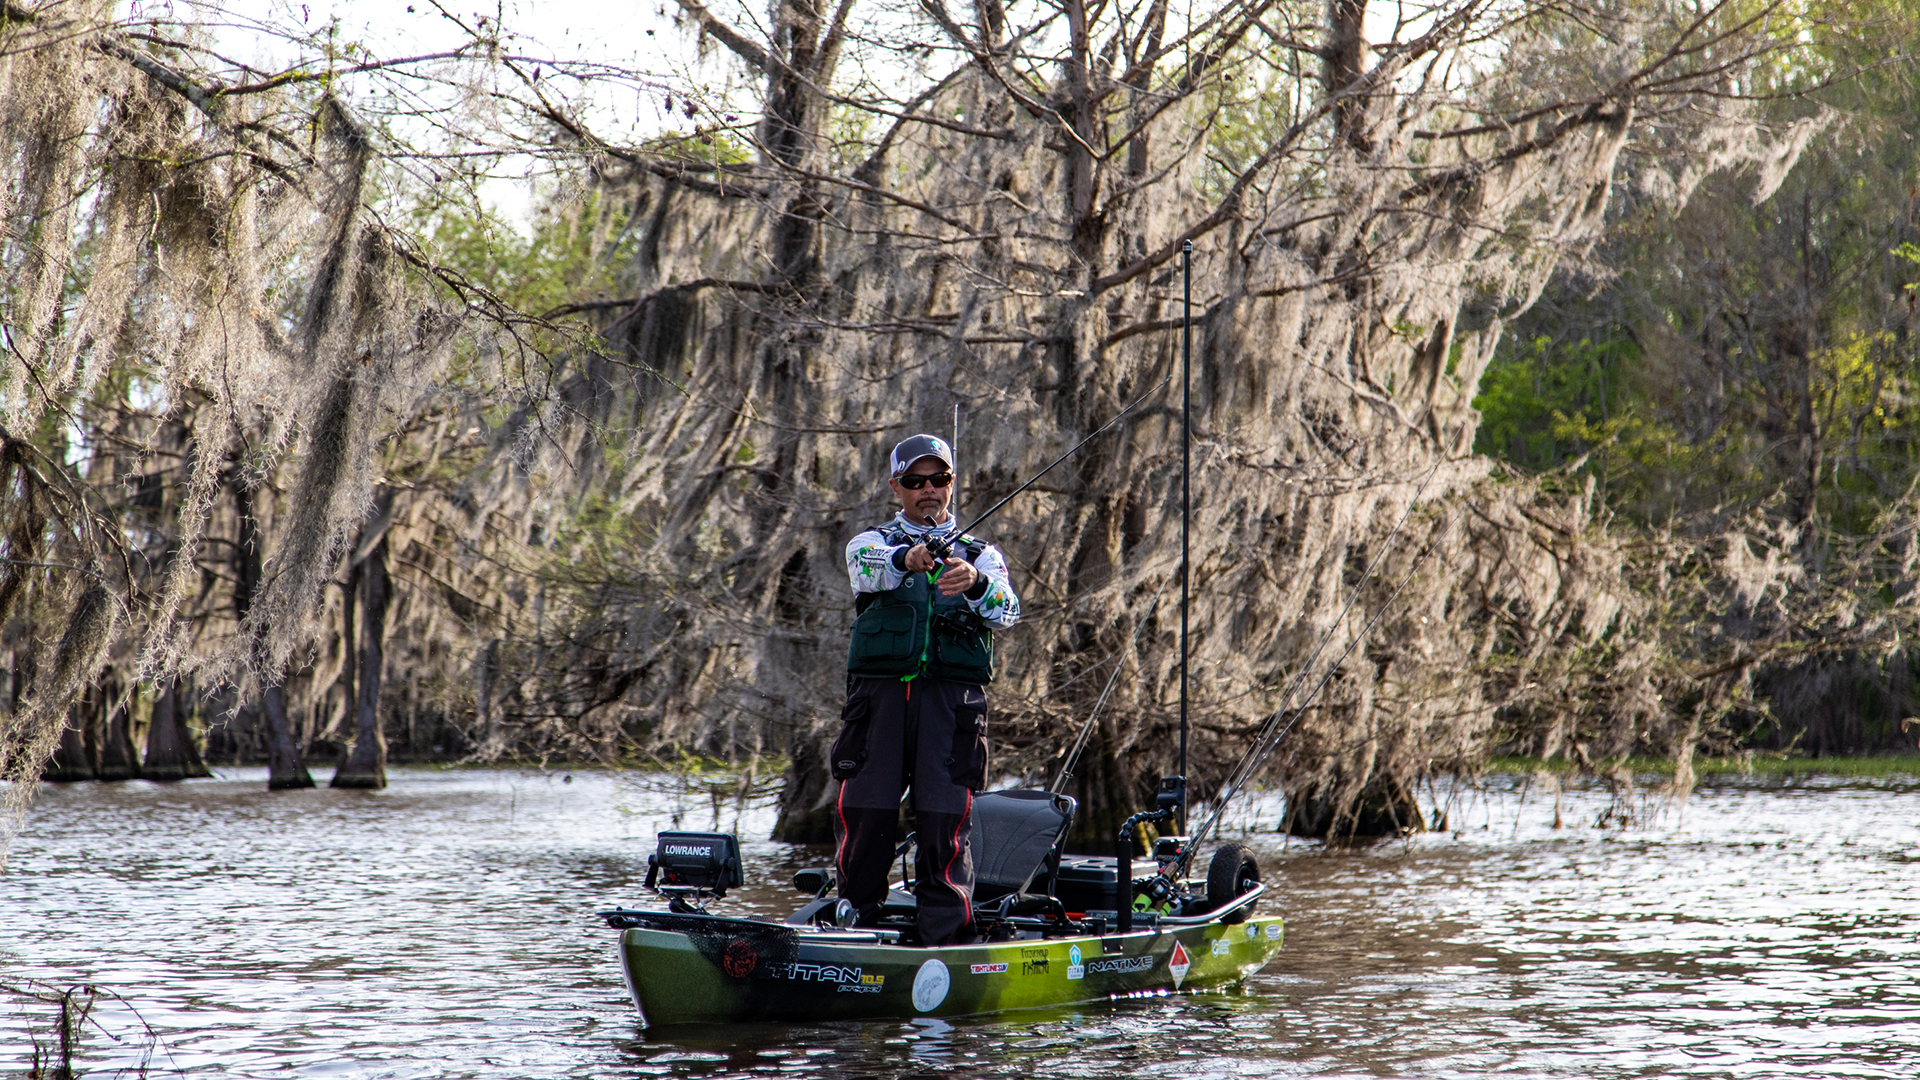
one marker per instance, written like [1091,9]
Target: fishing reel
[1163,892]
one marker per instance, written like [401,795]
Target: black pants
[929,737]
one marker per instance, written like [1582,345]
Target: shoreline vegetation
[1531,414]
[761,779]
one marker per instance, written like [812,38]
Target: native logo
[1178,964]
[930,985]
[739,959]
[1273,931]
[1122,965]
[1075,969]
[989,969]
[1222,946]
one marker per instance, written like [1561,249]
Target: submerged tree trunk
[1101,786]
[71,763]
[1330,812]
[285,769]
[366,766]
[118,758]
[171,753]
[806,793]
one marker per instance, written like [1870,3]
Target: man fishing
[916,711]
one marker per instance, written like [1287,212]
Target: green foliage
[1544,404]
[705,145]
[1909,252]
[571,253]
[1743,381]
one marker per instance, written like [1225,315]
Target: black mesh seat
[1016,839]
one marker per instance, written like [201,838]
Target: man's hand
[958,577]
[919,559]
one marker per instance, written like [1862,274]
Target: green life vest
[913,631]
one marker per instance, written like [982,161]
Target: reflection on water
[443,928]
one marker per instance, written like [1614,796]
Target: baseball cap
[913,449]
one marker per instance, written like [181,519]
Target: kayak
[709,969]
[1053,930]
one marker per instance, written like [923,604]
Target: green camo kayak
[707,969]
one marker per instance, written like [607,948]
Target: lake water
[444,928]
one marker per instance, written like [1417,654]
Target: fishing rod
[940,547]
[1264,744]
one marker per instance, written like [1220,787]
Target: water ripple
[442,928]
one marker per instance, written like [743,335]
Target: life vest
[913,630]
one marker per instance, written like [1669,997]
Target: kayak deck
[710,970]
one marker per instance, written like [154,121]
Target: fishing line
[1079,744]
[941,546]
[1264,744]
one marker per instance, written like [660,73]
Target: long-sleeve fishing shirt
[876,564]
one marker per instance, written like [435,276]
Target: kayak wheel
[1233,872]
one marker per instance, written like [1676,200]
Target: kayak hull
[731,970]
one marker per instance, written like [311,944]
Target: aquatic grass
[74,1015]
[689,781]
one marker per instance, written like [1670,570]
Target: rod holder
[1123,856]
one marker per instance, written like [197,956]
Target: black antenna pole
[1186,499]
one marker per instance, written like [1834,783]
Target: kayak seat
[1017,837]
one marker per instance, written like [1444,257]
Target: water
[443,928]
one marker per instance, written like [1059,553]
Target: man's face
[928,505]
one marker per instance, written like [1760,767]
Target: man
[916,712]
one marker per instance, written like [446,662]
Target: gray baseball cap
[919,446]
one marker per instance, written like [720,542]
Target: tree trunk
[171,753]
[1327,813]
[483,670]
[119,760]
[1101,786]
[806,793]
[1345,62]
[71,763]
[366,766]
[285,769]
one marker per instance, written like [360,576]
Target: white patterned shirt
[871,567]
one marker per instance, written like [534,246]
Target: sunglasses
[916,481]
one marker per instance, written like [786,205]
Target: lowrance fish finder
[690,867]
